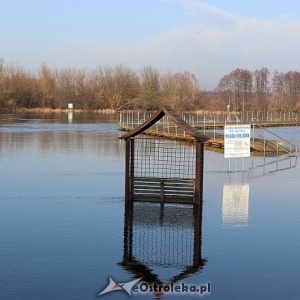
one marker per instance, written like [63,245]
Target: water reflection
[49,220]
[162,243]
[235,204]
[70,117]
[65,140]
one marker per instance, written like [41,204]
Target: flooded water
[64,229]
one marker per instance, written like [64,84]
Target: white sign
[237,141]
[70,105]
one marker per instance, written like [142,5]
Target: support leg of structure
[198,192]
[129,169]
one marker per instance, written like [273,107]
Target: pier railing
[205,119]
[275,152]
[263,141]
[278,153]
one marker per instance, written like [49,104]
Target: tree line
[106,87]
[119,88]
[243,90]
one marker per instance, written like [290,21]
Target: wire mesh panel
[160,158]
[163,170]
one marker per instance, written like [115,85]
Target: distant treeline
[244,90]
[120,87]
[106,87]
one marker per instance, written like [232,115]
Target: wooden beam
[194,133]
[147,124]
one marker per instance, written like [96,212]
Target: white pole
[214,128]
[264,153]
[252,164]
[277,155]
[168,124]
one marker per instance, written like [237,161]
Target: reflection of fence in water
[162,158]
[270,165]
[165,237]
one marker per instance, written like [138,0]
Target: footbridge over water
[263,142]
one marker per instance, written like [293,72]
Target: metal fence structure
[163,158]
[164,170]
[206,118]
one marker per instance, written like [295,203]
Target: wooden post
[129,169]
[162,191]
[198,189]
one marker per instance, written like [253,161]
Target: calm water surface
[62,217]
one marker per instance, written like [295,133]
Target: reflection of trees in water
[60,142]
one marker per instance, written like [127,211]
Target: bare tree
[119,86]
[235,89]
[18,88]
[48,86]
[261,89]
[180,90]
[150,88]
[286,90]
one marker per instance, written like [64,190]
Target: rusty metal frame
[199,139]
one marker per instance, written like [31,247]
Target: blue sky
[207,38]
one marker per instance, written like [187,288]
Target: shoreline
[60,110]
